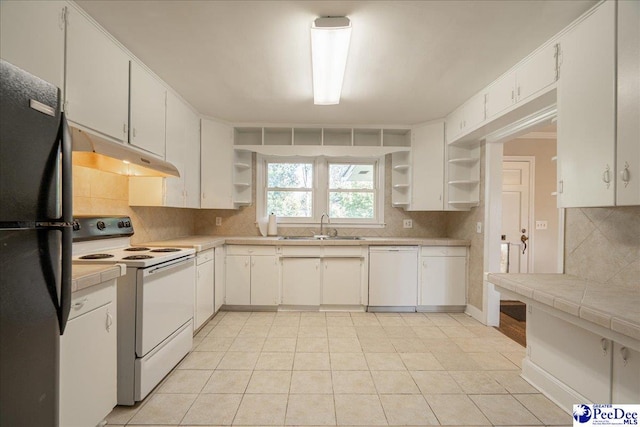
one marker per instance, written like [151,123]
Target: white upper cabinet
[216,166]
[501,95]
[97,79]
[192,162]
[427,161]
[32,37]
[176,149]
[148,110]
[586,111]
[537,72]
[465,118]
[628,138]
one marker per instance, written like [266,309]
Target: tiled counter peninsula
[583,338]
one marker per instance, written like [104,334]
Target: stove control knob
[127,223]
[101,225]
[76,225]
[120,224]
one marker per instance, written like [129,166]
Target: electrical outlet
[542,225]
[478,227]
[407,223]
[218,221]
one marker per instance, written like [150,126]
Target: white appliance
[393,278]
[154,301]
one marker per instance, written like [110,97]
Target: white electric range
[155,301]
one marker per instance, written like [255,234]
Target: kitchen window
[298,190]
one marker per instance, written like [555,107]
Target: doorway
[517,209]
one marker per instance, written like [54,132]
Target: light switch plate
[542,225]
[407,223]
[218,221]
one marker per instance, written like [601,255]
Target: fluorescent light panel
[329,49]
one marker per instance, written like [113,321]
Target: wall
[462,225]
[103,193]
[545,241]
[241,222]
[603,244]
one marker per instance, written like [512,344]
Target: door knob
[524,239]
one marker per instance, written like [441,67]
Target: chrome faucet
[322,223]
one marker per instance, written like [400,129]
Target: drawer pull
[109,321]
[624,353]
[79,304]
[604,343]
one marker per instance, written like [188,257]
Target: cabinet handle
[134,132]
[604,343]
[518,91]
[109,321]
[246,263]
[606,176]
[624,174]
[624,353]
[560,186]
[78,305]
[253,263]
[512,94]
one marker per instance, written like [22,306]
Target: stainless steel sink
[345,238]
[320,238]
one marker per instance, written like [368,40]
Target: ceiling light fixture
[330,38]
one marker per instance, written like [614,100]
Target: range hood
[93,151]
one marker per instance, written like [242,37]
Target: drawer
[443,251]
[250,250]
[204,256]
[91,298]
[301,251]
[343,251]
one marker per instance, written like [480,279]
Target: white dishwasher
[393,278]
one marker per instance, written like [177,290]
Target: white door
[264,280]
[301,281]
[238,280]
[515,213]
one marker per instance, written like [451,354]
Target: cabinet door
[586,112]
[32,37]
[443,281]
[219,274]
[238,280]
[474,112]
[537,73]
[341,281]
[216,160]
[626,375]
[501,95]
[453,124]
[427,167]
[204,293]
[148,111]
[264,280]
[192,162]
[176,149]
[627,146]
[97,79]
[301,281]
[88,362]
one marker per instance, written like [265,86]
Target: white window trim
[320,192]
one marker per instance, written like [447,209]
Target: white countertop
[85,275]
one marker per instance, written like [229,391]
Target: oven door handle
[167,266]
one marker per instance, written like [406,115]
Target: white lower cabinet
[625,385]
[443,279]
[219,273]
[251,275]
[238,280]
[264,280]
[88,357]
[301,281]
[205,285]
[341,281]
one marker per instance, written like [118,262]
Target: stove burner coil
[96,256]
[166,250]
[137,249]
[138,257]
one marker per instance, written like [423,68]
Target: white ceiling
[409,61]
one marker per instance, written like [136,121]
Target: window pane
[351,205]
[293,204]
[348,176]
[290,175]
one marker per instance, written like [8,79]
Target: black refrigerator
[35,246]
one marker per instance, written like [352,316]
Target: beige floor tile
[224,331]
[310,382]
[363,409]
[442,319]
[227,382]
[352,382]
[409,345]
[311,362]
[483,331]
[344,345]
[492,361]
[435,382]
[339,321]
[164,409]
[185,381]
[348,362]
[457,332]
[329,314]
[504,410]
[416,319]
[219,344]
[406,410]
[370,332]
[385,362]
[341,331]
[441,345]
[283,332]
[455,409]
[247,344]
[123,414]
[399,332]
[392,321]
[310,409]
[239,360]
[271,382]
[312,345]
[213,409]
[428,332]
[512,381]
[365,320]
[516,357]
[274,361]
[312,332]
[279,344]
[466,320]
[457,362]
[421,362]
[257,331]
[477,382]
[376,345]
[544,409]
[201,360]
[394,382]
[262,409]
[286,322]
[313,321]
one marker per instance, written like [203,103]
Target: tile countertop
[86,275]
[201,243]
[611,307]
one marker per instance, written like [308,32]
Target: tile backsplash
[603,244]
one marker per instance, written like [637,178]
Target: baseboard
[441,308]
[475,313]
